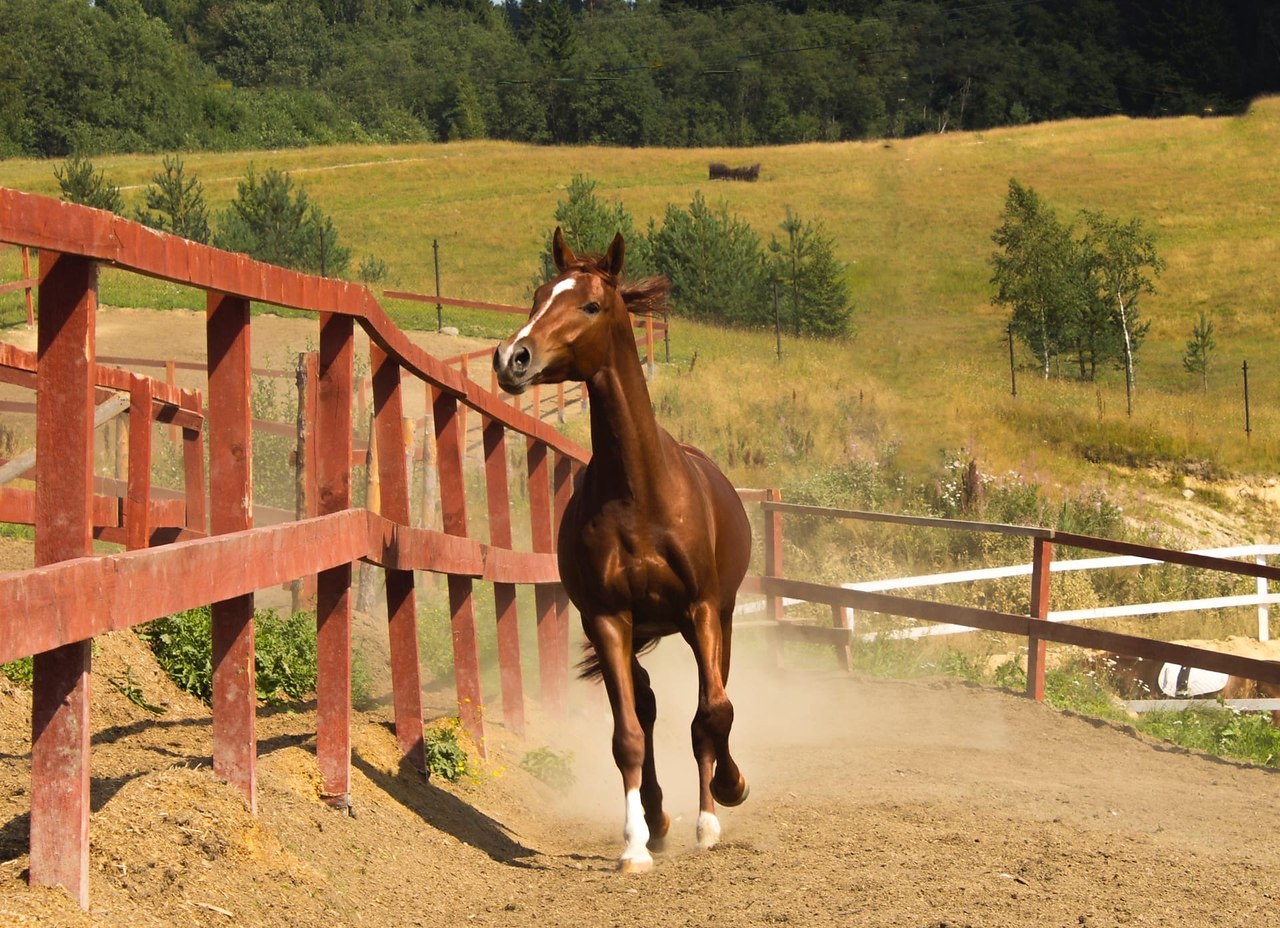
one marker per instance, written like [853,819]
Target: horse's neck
[626,446]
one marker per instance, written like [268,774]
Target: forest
[96,76]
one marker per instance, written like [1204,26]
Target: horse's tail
[590,668]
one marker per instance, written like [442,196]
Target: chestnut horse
[653,542]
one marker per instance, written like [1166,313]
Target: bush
[589,225]
[79,184]
[175,203]
[551,767]
[813,298]
[446,756]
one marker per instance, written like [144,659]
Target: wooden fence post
[402,604]
[563,480]
[64,529]
[544,594]
[26,275]
[773,605]
[171,378]
[193,466]
[1041,559]
[498,494]
[453,511]
[137,504]
[231,510]
[333,586]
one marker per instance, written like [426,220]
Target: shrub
[446,756]
[551,767]
[589,225]
[79,184]
[175,203]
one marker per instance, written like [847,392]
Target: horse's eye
[591,308]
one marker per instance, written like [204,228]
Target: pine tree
[175,203]
[81,185]
[813,295]
[1200,349]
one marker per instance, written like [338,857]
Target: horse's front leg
[611,638]
[719,779]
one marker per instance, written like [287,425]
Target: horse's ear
[561,253]
[616,254]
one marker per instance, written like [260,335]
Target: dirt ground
[922,804]
[873,803]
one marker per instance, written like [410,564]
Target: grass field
[928,370]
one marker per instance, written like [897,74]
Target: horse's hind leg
[650,791]
[719,779]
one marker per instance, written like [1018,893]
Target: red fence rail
[54,610]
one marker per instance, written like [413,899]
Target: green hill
[929,369]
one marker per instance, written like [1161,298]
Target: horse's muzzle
[513,363]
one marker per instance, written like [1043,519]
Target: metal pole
[1013,375]
[1247,430]
[435,252]
[777,319]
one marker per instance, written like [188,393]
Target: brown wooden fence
[26,283]
[1035,627]
[54,610]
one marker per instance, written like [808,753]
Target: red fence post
[1042,558]
[137,505]
[231,510]
[64,530]
[402,608]
[171,378]
[563,480]
[193,466]
[333,587]
[453,511]
[26,275]
[498,494]
[544,595]
[773,552]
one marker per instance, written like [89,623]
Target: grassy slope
[929,368]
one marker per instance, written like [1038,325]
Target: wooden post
[1042,558]
[773,552]
[301,424]
[333,586]
[193,466]
[648,345]
[231,495]
[842,617]
[137,515]
[26,275]
[171,378]
[402,605]
[563,480]
[430,472]
[65,349]
[453,510]
[560,402]
[498,495]
[544,595]
[369,574]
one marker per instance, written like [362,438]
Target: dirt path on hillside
[873,803]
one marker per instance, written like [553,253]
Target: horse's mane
[645,296]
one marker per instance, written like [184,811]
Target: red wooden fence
[55,610]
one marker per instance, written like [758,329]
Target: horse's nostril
[520,359]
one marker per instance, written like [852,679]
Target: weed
[129,688]
[555,768]
[446,757]
[19,671]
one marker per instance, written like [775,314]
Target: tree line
[90,76]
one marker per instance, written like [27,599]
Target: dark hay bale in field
[720,171]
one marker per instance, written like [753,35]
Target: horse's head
[576,319]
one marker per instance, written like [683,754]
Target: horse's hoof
[736,798]
[635,864]
[708,831]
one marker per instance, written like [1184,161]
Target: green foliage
[714,262]
[555,768]
[1219,731]
[446,757]
[271,221]
[19,671]
[128,687]
[285,653]
[175,203]
[1200,347]
[372,271]
[135,75]
[79,184]
[812,293]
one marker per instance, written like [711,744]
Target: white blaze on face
[635,832]
[562,287]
